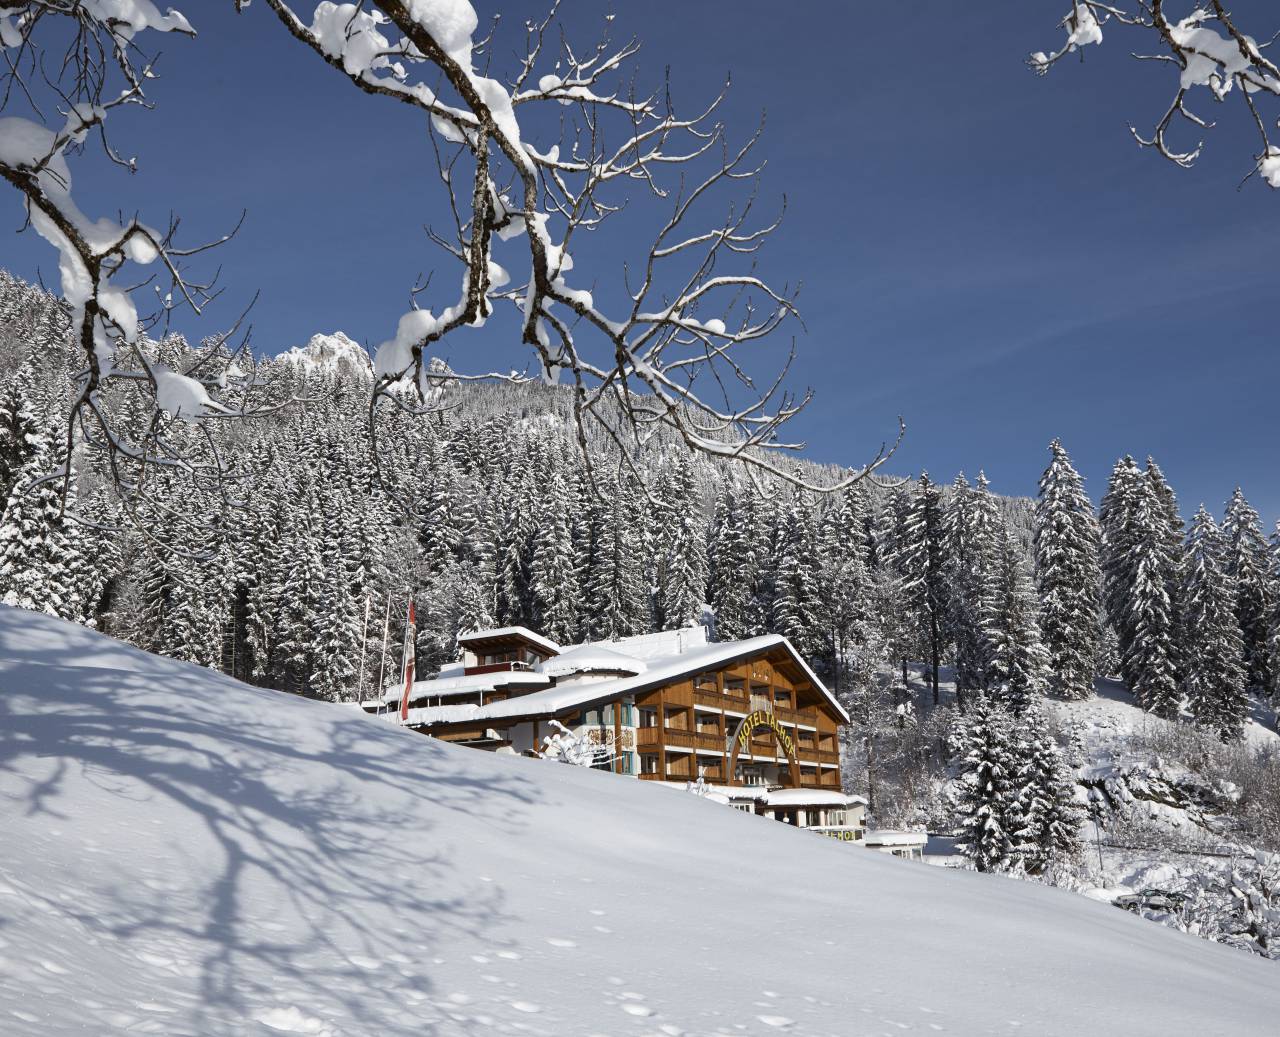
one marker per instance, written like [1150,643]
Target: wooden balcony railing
[684,739]
[728,700]
[648,736]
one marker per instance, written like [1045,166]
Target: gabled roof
[500,634]
[661,671]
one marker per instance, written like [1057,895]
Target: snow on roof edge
[537,639]
[575,696]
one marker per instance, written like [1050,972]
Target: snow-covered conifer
[1117,518]
[681,584]
[1248,566]
[920,560]
[735,554]
[1214,678]
[796,579]
[1051,818]
[36,568]
[1016,664]
[1150,662]
[989,802]
[553,579]
[973,543]
[1068,576]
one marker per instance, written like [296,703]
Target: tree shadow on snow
[311,870]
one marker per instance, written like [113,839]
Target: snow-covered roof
[809,797]
[500,632]
[657,645]
[470,682]
[576,695]
[590,658]
[892,837]
[777,797]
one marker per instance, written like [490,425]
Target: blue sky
[982,251]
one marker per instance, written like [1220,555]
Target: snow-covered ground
[185,855]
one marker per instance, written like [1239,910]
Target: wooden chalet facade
[670,707]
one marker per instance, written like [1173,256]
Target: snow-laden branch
[102,70]
[531,162]
[1210,53]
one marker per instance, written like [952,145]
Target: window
[708,723]
[648,717]
[628,763]
[608,715]
[591,717]
[705,682]
[734,686]
[648,763]
[628,714]
[781,697]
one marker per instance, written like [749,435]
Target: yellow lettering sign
[762,718]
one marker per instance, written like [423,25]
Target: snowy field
[184,855]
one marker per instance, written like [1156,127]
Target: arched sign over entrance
[751,723]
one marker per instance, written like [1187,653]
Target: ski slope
[184,855]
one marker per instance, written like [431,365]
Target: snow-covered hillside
[183,854]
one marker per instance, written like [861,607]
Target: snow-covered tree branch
[534,159]
[72,66]
[1209,51]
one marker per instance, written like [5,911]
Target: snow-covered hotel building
[749,717]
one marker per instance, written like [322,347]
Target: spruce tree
[1248,566]
[1172,532]
[681,584]
[617,599]
[920,559]
[1051,818]
[796,582]
[989,803]
[1214,678]
[36,565]
[1016,663]
[1150,662]
[1068,576]
[1117,519]
[20,434]
[974,529]
[553,581]
[734,556]
[339,612]
[845,580]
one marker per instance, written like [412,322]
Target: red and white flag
[408,664]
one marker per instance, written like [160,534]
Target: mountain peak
[333,352]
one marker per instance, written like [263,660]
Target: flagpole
[408,664]
[382,659]
[364,641]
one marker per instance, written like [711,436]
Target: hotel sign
[763,718]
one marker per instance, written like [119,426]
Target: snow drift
[186,855]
